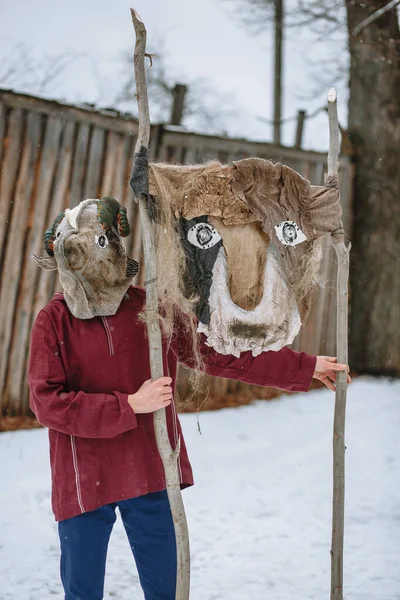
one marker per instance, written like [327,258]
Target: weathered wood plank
[11,272]
[39,221]
[126,124]
[306,170]
[156,134]
[61,194]
[79,166]
[190,156]
[331,316]
[114,141]
[124,161]
[136,247]
[132,207]
[55,205]
[319,173]
[94,164]
[346,184]
[235,146]
[318,314]
[9,171]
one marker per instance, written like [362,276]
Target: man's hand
[325,370]
[152,396]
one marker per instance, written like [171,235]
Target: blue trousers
[150,530]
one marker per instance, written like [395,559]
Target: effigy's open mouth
[273,323]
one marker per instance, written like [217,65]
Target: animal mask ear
[110,212]
[50,235]
[132,267]
[48,263]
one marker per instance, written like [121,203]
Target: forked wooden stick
[342,252]
[169,456]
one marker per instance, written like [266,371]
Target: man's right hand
[152,396]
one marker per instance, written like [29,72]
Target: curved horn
[123,223]
[50,234]
[110,212]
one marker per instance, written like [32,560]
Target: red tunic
[80,375]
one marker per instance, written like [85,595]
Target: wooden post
[301,115]
[342,253]
[178,103]
[278,71]
[169,456]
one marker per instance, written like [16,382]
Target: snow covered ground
[260,512]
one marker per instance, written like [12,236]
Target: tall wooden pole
[169,456]
[278,70]
[342,253]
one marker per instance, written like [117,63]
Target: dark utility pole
[178,104]
[301,115]
[278,70]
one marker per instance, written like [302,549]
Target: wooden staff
[169,456]
[342,252]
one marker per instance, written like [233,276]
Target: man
[89,377]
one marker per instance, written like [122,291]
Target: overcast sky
[203,39]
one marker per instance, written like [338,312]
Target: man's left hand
[326,368]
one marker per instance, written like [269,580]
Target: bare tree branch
[294,117]
[203,103]
[320,10]
[375,15]
[55,66]
[20,67]
[256,15]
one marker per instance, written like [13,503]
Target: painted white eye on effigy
[289,233]
[101,240]
[203,236]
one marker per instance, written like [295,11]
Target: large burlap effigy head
[239,246]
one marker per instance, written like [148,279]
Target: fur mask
[85,245]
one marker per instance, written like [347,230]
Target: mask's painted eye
[289,233]
[58,234]
[101,240]
[203,236]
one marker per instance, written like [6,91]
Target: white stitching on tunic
[78,484]
[109,336]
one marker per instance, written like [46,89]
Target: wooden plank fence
[53,156]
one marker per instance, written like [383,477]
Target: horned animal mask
[85,245]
